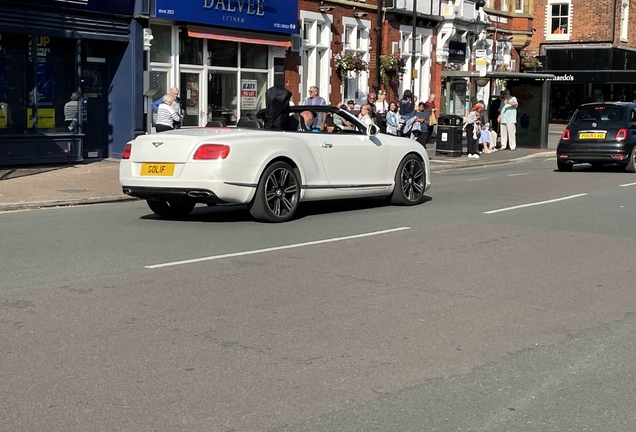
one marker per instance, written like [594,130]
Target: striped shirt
[70,110]
[166,115]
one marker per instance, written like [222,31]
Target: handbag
[433,119]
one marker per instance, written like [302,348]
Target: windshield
[601,113]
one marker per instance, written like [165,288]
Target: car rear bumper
[173,194]
[581,153]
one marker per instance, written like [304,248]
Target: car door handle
[327,145]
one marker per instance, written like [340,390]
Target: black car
[599,133]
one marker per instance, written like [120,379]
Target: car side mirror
[373,130]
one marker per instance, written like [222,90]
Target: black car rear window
[601,113]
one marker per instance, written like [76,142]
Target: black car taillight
[621,134]
[565,136]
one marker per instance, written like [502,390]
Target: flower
[349,62]
[503,68]
[529,62]
[392,67]
[452,67]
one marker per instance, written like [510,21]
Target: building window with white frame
[420,61]
[558,19]
[356,41]
[316,54]
[519,6]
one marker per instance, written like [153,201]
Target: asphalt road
[503,303]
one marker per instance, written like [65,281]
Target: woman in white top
[166,115]
[381,110]
[365,115]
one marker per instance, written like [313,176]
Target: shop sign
[498,19]
[280,16]
[248,94]
[456,52]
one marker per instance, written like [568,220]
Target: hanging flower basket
[392,67]
[450,67]
[503,68]
[530,63]
[349,62]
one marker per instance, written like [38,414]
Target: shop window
[558,19]
[253,97]
[53,75]
[160,51]
[254,56]
[221,53]
[190,49]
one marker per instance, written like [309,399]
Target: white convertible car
[273,171]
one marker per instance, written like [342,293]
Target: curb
[483,162]
[25,205]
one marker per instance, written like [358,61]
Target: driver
[308,117]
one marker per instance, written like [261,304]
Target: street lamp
[413,72]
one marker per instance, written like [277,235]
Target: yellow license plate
[156,169]
[592,135]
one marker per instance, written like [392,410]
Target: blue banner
[120,7]
[280,16]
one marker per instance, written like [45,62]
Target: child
[484,139]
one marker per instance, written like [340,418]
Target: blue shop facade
[52,49]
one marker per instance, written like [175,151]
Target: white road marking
[627,184]
[518,174]
[534,204]
[477,179]
[277,248]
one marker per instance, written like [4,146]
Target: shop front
[58,69]
[222,55]
[578,80]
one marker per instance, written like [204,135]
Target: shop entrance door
[192,98]
[94,80]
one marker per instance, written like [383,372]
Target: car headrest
[215,123]
[296,122]
[246,122]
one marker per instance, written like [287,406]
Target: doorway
[95,125]
[192,99]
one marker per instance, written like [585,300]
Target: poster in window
[192,94]
[248,94]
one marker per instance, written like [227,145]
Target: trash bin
[449,135]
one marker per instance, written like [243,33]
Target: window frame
[550,36]
[316,54]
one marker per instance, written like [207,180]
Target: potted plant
[450,66]
[392,67]
[349,62]
[530,63]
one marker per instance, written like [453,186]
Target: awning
[224,35]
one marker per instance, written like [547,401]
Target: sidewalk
[98,182]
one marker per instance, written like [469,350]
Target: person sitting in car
[308,117]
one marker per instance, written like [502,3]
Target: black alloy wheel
[409,182]
[277,195]
[171,209]
[566,167]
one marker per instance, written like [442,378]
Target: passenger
[365,115]
[308,117]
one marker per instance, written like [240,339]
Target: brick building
[589,47]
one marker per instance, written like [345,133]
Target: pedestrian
[351,105]
[508,121]
[371,98]
[176,105]
[381,110]
[71,112]
[493,111]
[166,115]
[365,115]
[470,125]
[430,105]
[407,109]
[422,116]
[393,119]
[484,121]
[314,98]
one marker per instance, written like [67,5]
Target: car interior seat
[613,116]
[246,122]
[215,123]
[296,122]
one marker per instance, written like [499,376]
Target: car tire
[631,165]
[410,180]
[171,209]
[565,167]
[277,194]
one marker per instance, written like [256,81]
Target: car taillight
[127,150]
[212,151]
[621,134]
[565,136]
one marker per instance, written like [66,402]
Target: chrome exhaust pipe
[199,194]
